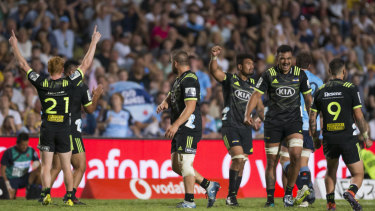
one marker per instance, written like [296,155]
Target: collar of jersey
[183,74]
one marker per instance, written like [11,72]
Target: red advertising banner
[145,159]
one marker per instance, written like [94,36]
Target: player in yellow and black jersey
[340,106]
[54,95]
[237,89]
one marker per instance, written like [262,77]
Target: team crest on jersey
[285,91]
[242,95]
[34,76]
[190,92]
[74,75]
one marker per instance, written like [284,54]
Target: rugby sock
[69,194]
[304,177]
[46,191]
[330,197]
[239,179]
[270,195]
[353,188]
[288,190]
[205,183]
[189,197]
[233,176]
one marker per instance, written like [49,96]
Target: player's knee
[186,163]
[238,159]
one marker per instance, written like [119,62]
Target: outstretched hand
[96,35]
[98,91]
[13,39]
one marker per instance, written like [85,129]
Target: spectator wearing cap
[65,38]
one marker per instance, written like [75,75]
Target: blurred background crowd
[132,59]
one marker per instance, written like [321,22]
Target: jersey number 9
[334,113]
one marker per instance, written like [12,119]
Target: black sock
[233,175]
[330,197]
[270,195]
[46,191]
[305,176]
[69,194]
[239,179]
[353,188]
[205,183]
[288,190]
[74,191]
[189,197]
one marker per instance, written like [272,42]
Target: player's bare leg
[46,166]
[295,144]
[65,160]
[330,182]
[56,168]
[272,150]
[79,167]
[236,168]
[284,161]
[357,171]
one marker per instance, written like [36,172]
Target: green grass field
[167,204]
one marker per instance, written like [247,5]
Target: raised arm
[87,60]
[213,66]
[22,61]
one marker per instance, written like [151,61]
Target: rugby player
[80,95]
[54,96]
[186,129]
[339,104]
[237,89]
[283,83]
[303,61]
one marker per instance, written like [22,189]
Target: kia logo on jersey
[242,95]
[285,91]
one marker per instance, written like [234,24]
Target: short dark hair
[68,64]
[284,49]
[181,57]
[303,60]
[22,137]
[336,66]
[241,57]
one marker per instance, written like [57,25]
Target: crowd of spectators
[138,36]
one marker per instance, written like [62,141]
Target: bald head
[181,57]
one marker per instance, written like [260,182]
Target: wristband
[213,57]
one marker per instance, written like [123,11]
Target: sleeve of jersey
[5,160]
[190,89]
[314,106]
[86,96]
[77,77]
[34,78]
[356,98]
[226,80]
[305,85]
[263,83]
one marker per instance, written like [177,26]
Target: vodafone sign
[150,159]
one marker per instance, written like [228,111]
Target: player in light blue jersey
[305,195]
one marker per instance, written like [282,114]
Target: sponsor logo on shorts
[190,150]
[43,148]
[285,91]
[190,92]
[242,95]
[33,76]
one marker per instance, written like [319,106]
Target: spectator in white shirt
[65,38]
[6,111]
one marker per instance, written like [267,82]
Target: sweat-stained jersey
[54,96]
[284,104]
[236,93]
[336,100]
[186,87]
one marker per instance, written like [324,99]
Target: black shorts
[238,137]
[307,141]
[184,142]
[276,132]
[76,137]
[55,139]
[20,182]
[349,151]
